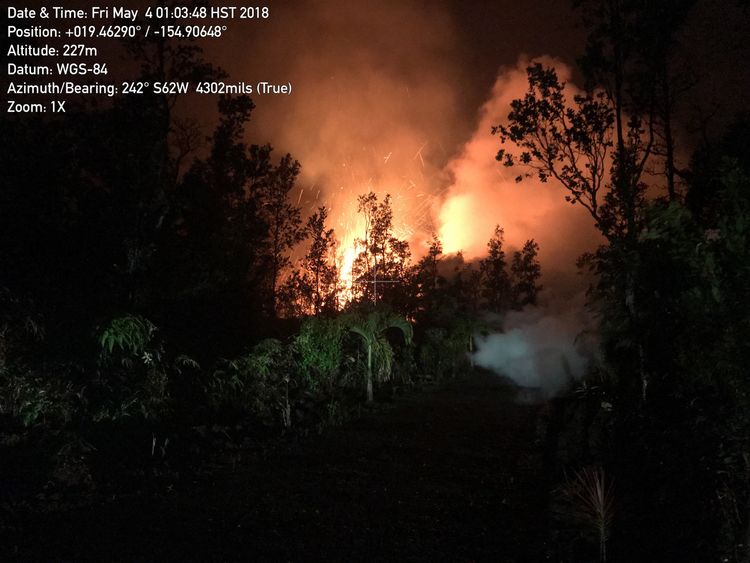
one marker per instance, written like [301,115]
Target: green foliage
[671,282]
[404,369]
[18,324]
[433,359]
[693,284]
[134,376]
[130,335]
[258,383]
[182,361]
[33,399]
[371,327]
[692,326]
[334,415]
[319,351]
[444,351]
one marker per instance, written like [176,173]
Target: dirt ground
[450,473]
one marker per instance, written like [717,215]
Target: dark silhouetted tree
[632,51]
[215,270]
[599,159]
[496,287]
[426,284]
[313,288]
[467,285]
[283,221]
[525,273]
[382,265]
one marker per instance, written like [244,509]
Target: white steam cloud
[539,348]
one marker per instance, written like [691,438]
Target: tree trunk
[370,397]
[286,408]
[668,139]
[632,310]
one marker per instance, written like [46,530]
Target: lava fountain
[379,106]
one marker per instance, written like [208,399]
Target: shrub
[133,376]
[32,399]
[319,353]
[258,383]
[443,352]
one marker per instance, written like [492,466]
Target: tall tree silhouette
[313,288]
[217,270]
[631,52]
[526,271]
[496,287]
[283,221]
[383,261]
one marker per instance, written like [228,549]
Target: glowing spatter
[401,173]
[380,104]
[453,217]
[460,199]
[464,201]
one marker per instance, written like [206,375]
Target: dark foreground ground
[446,474]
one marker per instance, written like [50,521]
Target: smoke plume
[483,193]
[378,104]
[374,105]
